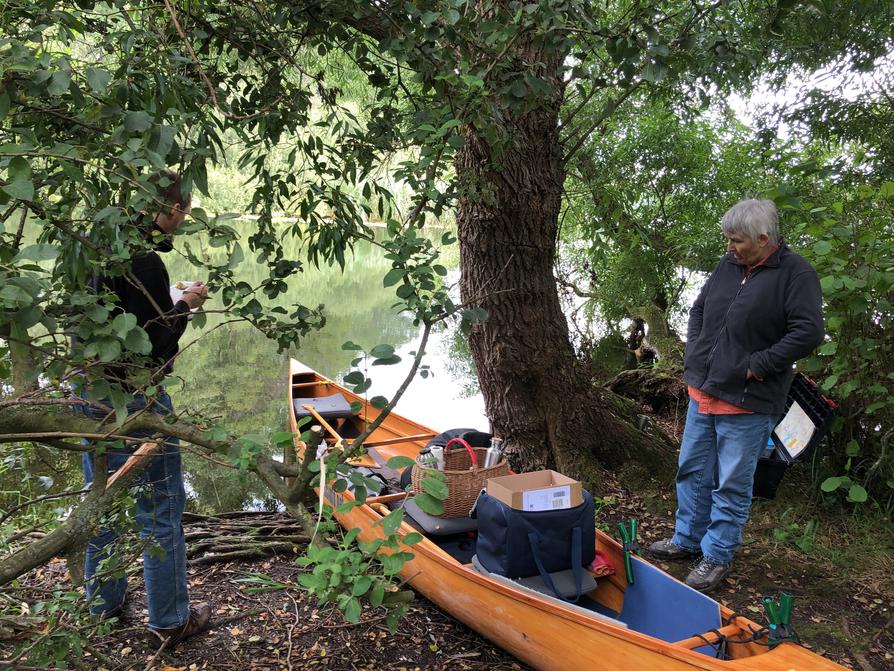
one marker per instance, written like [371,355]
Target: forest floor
[840,571]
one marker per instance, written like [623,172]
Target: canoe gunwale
[650,650]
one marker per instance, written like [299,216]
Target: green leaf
[353,610]
[98,80]
[236,257]
[20,185]
[857,494]
[654,72]
[59,83]
[354,377]
[97,313]
[378,402]
[451,17]
[518,89]
[137,122]
[4,104]
[852,449]
[429,504]
[109,349]
[38,252]
[381,351]
[399,462]
[831,484]
[361,585]
[413,538]
[822,247]
[351,346]
[387,361]
[435,487]
[391,522]
[377,594]
[886,190]
[124,323]
[199,319]
[393,276]
[137,340]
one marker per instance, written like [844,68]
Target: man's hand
[751,374]
[195,294]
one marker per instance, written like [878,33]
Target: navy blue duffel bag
[520,544]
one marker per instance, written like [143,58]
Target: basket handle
[466,445]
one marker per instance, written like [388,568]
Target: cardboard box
[540,490]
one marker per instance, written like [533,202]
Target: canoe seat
[438,526]
[563,580]
[332,407]
[547,594]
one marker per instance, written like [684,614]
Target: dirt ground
[848,622]
[845,614]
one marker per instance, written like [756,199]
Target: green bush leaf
[381,351]
[38,252]
[20,185]
[397,463]
[831,484]
[387,361]
[857,494]
[137,122]
[393,276]
[429,504]
[137,340]
[98,80]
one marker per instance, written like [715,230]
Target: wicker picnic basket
[465,479]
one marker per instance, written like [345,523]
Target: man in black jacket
[758,313]
[144,291]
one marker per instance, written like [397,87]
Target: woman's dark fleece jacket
[164,330]
[764,321]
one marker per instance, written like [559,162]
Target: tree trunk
[537,396]
[661,335]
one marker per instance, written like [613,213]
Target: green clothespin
[786,604]
[630,546]
[779,615]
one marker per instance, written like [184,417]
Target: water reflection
[233,373]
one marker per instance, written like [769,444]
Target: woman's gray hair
[752,218]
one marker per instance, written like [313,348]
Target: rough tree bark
[537,396]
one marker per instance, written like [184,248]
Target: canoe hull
[539,631]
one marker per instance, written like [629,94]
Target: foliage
[96,98]
[646,196]
[852,241]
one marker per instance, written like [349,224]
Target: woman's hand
[195,294]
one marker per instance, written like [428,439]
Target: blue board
[662,607]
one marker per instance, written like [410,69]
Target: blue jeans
[718,457]
[160,507]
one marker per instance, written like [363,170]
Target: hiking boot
[667,549]
[198,621]
[707,575]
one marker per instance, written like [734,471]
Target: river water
[233,373]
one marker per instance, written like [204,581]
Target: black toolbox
[808,414]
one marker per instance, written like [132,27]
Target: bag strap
[575,563]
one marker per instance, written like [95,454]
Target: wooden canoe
[542,631]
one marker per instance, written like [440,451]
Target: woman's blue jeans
[160,507]
[718,457]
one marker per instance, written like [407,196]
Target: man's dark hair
[169,185]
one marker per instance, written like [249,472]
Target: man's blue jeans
[718,457]
[159,513]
